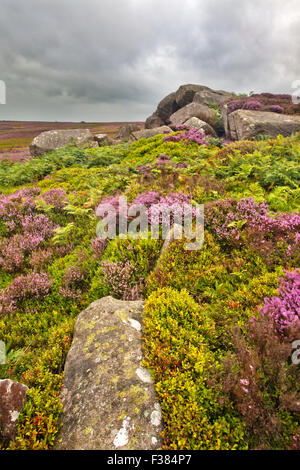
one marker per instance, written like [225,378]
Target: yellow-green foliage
[177,352]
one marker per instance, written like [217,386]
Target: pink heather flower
[31,285]
[284,309]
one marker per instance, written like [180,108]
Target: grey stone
[147,133]
[125,131]
[198,110]
[196,123]
[109,400]
[103,140]
[166,107]
[51,140]
[13,397]
[153,121]
[185,93]
[245,124]
[211,97]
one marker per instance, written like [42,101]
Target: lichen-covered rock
[198,110]
[12,399]
[245,124]
[147,133]
[108,397]
[51,140]
[196,123]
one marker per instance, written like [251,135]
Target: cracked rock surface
[108,398]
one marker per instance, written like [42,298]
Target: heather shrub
[243,147]
[264,102]
[31,285]
[260,379]
[284,310]
[235,223]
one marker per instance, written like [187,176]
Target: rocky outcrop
[108,398]
[210,97]
[245,124]
[165,108]
[184,96]
[153,121]
[12,399]
[52,140]
[147,133]
[125,131]
[195,123]
[198,110]
[200,94]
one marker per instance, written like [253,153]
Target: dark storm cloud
[113,60]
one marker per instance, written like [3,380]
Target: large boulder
[245,124]
[153,121]
[51,140]
[198,110]
[109,400]
[12,399]
[185,94]
[165,108]
[125,130]
[147,133]
[211,97]
[196,123]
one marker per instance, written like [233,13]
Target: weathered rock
[185,93]
[108,398]
[196,123]
[198,110]
[147,133]
[52,140]
[103,140]
[244,124]
[125,131]
[211,97]
[166,107]
[153,121]
[12,399]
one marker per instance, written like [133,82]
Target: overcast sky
[113,60]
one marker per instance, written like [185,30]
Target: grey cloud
[110,60]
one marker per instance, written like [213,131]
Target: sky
[114,60]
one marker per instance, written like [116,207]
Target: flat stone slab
[109,400]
